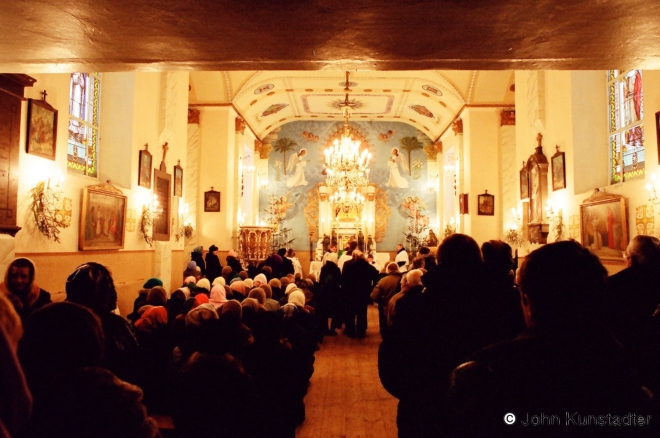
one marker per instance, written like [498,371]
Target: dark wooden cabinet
[12,88]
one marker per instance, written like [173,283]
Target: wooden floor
[345,398]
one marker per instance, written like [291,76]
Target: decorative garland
[43,206]
[146,223]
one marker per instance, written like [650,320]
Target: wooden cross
[539,138]
[43,95]
[165,149]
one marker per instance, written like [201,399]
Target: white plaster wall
[481,130]
[576,120]
[509,175]
[142,92]
[218,169]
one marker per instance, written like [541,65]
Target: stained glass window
[84,102]
[626,125]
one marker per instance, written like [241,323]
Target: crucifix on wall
[163,166]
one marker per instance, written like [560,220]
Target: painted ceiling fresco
[400,176]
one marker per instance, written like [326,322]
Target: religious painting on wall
[144,168]
[178,180]
[603,224]
[102,218]
[41,129]
[486,204]
[558,170]
[212,201]
[399,169]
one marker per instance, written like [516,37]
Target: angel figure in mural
[297,165]
[396,180]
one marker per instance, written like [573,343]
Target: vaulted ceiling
[428,100]
[422,60]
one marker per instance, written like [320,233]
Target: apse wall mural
[399,172]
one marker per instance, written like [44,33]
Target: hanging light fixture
[346,166]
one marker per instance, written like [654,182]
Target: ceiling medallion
[264,88]
[431,89]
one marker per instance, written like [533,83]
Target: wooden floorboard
[345,397]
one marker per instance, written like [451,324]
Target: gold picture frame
[604,225]
[41,138]
[102,218]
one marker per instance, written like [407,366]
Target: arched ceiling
[429,100]
[224,35]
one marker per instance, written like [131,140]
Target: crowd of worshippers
[230,353]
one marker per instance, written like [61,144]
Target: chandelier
[346,166]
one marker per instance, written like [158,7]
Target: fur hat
[213,248]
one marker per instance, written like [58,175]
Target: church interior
[231,100]
[205,121]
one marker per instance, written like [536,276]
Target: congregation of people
[230,353]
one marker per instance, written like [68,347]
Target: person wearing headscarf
[20,287]
[235,335]
[270,304]
[218,296]
[192,271]
[61,353]
[219,280]
[156,341]
[276,286]
[214,397]
[259,280]
[204,286]
[249,284]
[91,285]
[213,265]
[258,294]
[197,256]
[234,262]
[238,290]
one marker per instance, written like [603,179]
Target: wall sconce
[150,211]
[248,169]
[556,220]
[450,228]
[653,193]
[45,203]
[432,183]
[186,229]
[514,236]
[263,184]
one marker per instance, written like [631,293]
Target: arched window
[84,103]
[626,125]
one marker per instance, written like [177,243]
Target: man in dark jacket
[358,279]
[634,294]
[384,291]
[437,331]
[565,374]
[286,267]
